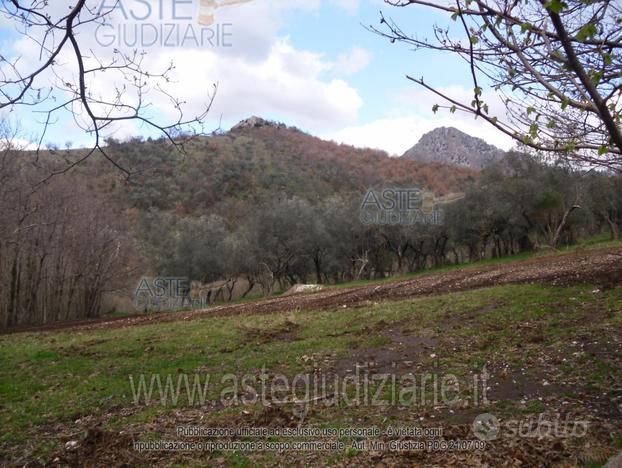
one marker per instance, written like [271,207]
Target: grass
[598,241]
[53,379]
[595,242]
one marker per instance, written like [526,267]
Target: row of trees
[62,247]
[522,204]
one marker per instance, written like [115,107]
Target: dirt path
[599,266]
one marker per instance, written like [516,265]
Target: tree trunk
[249,288]
[614,228]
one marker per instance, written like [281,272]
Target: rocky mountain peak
[449,145]
[257,122]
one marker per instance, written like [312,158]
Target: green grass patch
[55,378]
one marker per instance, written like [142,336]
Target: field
[536,343]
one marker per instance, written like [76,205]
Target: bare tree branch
[555,65]
[70,85]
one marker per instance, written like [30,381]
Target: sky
[307,63]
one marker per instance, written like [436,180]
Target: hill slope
[259,159]
[534,356]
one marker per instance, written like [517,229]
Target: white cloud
[352,62]
[412,116]
[261,73]
[288,83]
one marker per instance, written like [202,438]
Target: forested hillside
[261,208]
[220,173]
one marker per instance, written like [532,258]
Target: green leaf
[474,39]
[596,77]
[558,56]
[607,58]
[454,17]
[570,146]
[453,109]
[556,6]
[533,130]
[565,103]
[603,150]
[435,108]
[587,32]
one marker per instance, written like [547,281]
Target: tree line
[522,204]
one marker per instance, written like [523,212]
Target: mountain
[449,145]
[258,159]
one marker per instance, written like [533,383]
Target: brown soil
[602,267]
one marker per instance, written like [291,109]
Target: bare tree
[71,77]
[62,247]
[556,65]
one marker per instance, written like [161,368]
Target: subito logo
[486,427]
